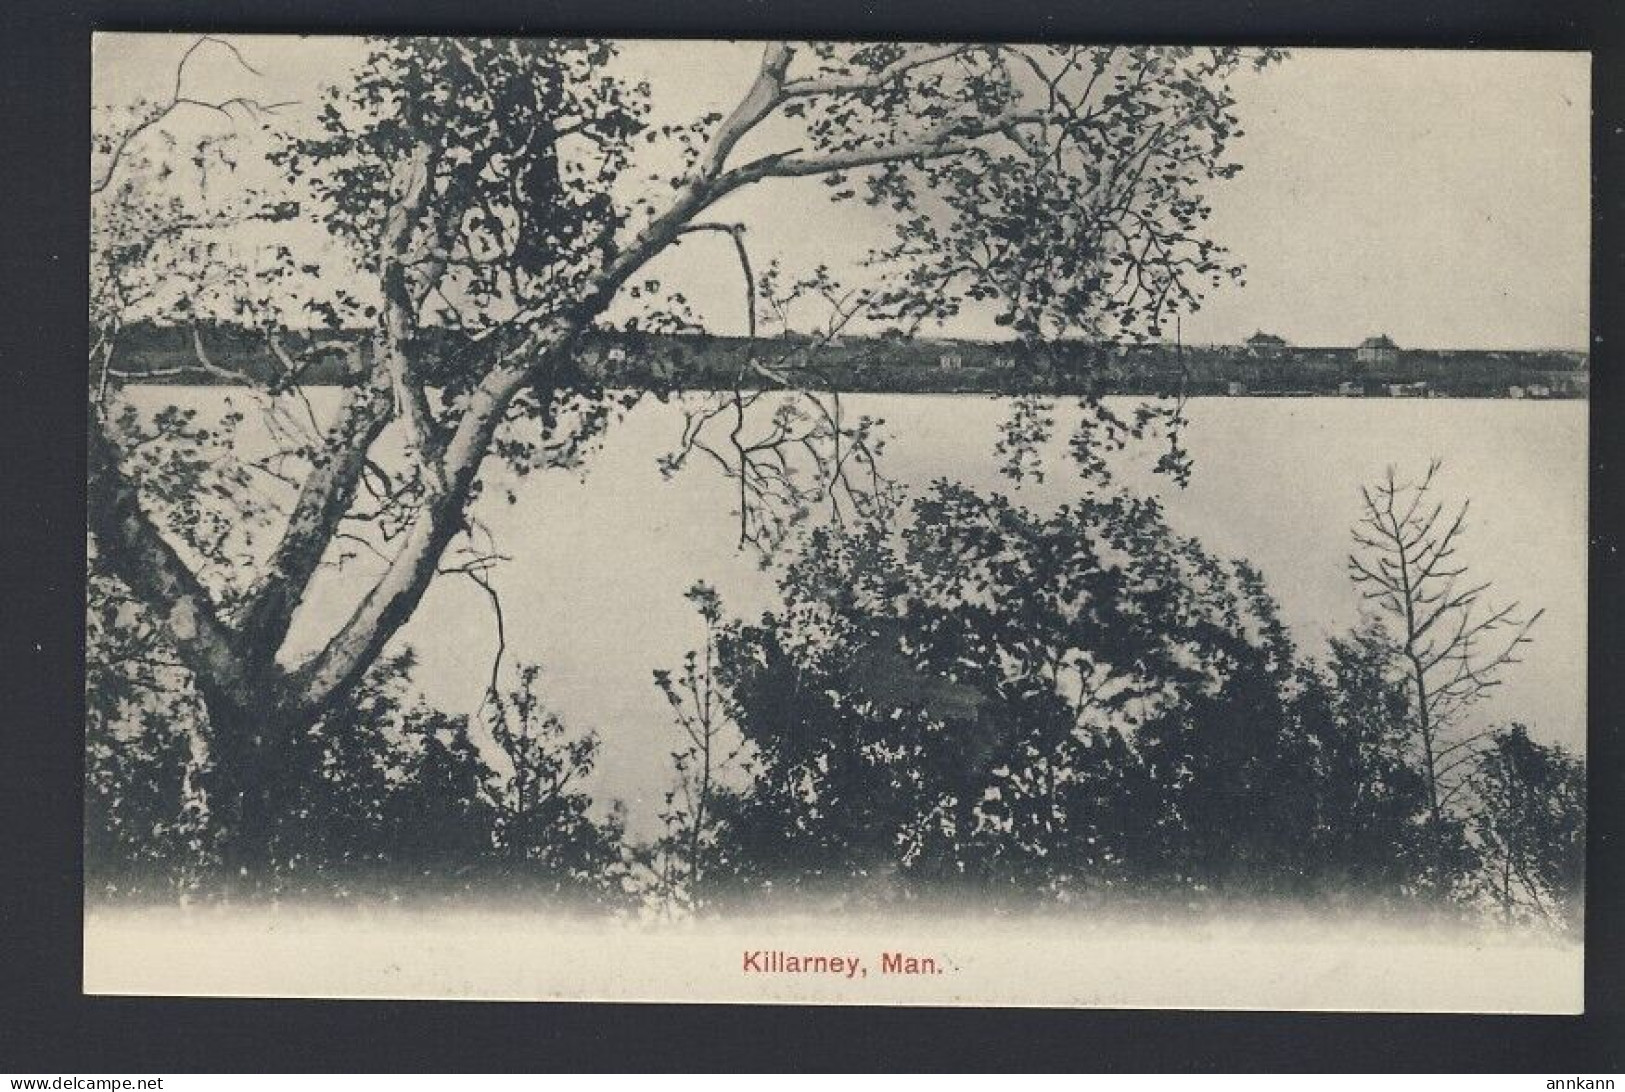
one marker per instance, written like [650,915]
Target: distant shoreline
[169,356]
[1205,396]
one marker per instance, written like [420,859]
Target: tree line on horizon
[879,362]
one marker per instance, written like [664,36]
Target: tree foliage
[1528,812]
[977,697]
[383,797]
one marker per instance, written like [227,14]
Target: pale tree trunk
[258,710]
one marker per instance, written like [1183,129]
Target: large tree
[488,192]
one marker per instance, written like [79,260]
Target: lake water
[600,560]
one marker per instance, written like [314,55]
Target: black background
[48,1028]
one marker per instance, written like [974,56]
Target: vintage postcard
[848,523]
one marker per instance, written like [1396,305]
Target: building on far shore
[1268,345]
[1377,350]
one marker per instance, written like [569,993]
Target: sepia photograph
[837,522]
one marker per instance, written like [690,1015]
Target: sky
[1442,198]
